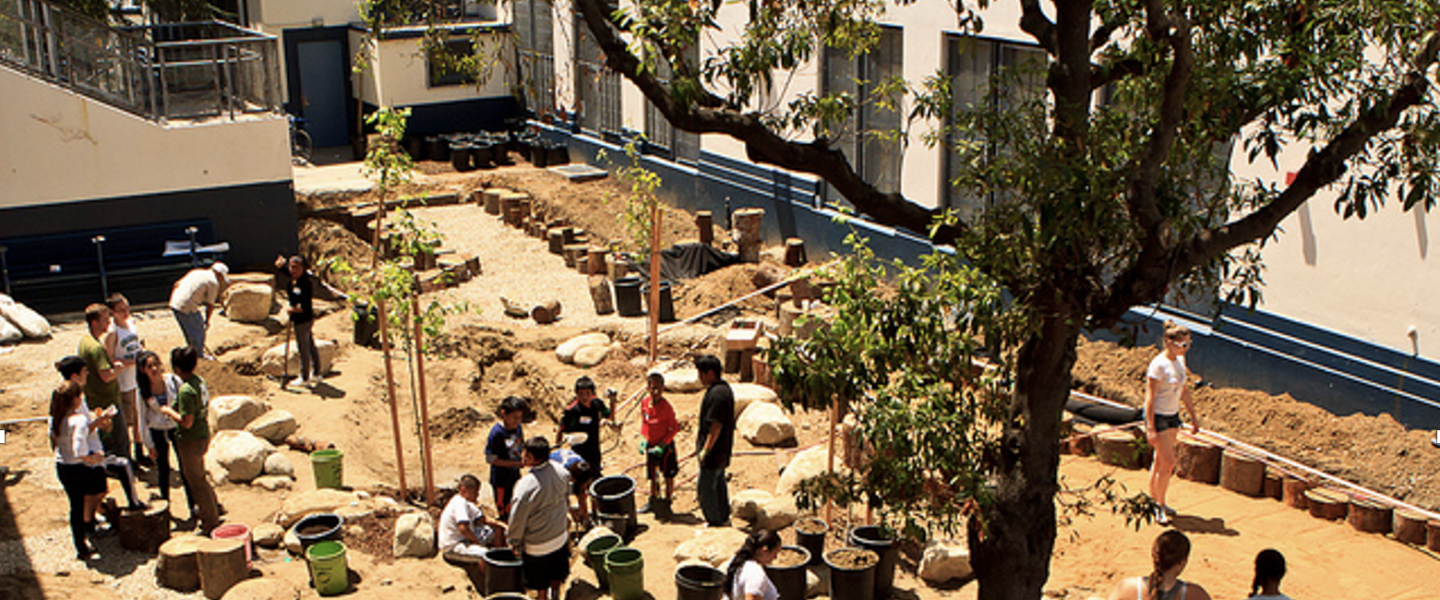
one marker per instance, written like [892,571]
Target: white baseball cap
[220,268]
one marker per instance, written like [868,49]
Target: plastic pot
[876,539]
[502,571]
[847,583]
[627,297]
[790,581]
[699,582]
[813,542]
[667,303]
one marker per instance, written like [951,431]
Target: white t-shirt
[751,580]
[1171,375]
[458,511]
[154,419]
[78,439]
[199,287]
[127,347]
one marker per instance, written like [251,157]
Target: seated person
[465,531]
[580,477]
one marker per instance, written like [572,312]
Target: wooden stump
[1369,516]
[492,200]
[788,313]
[598,258]
[556,237]
[1293,494]
[1409,526]
[1119,448]
[178,568]
[145,530]
[1196,460]
[705,222]
[1084,443]
[1274,484]
[761,369]
[600,295]
[1242,474]
[523,206]
[571,251]
[546,312]
[582,263]
[795,252]
[1328,504]
[222,565]
[1432,535]
[782,297]
[747,233]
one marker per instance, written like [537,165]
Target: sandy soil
[488,356]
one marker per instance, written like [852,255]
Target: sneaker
[102,530]
[312,382]
[1162,517]
[297,382]
[1169,511]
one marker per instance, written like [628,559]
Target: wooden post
[747,233]
[546,312]
[1293,494]
[598,254]
[1369,516]
[1243,474]
[654,282]
[830,454]
[178,568]
[1327,504]
[385,349]
[705,222]
[426,462]
[795,252]
[1409,527]
[145,530]
[222,565]
[1198,461]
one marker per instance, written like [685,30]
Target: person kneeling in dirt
[580,477]
[538,529]
[465,531]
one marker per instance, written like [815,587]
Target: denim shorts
[1163,422]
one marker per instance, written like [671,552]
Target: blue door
[322,91]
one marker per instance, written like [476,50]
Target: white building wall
[400,74]
[65,147]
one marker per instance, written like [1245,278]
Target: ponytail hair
[761,539]
[61,402]
[1175,331]
[1269,567]
[1171,548]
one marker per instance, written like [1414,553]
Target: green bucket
[328,568]
[329,468]
[627,573]
[595,556]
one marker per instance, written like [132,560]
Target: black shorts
[666,463]
[1163,422]
[82,479]
[541,571]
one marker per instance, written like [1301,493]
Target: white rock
[713,546]
[241,455]
[777,513]
[414,535]
[248,302]
[263,588]
[278,464]
[683,380]
[9,332]
[272,363]
[805,465]
[268,535]
[301,505]
[765,424]
[590,356]
[272,483]
[944,560]
[746,504]
[29,322]
[274,426]
[567,350]
[747,393]
[235,412]
[292,541]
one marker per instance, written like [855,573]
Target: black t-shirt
[301,292]
[717,407]
[578,418]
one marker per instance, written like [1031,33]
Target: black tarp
[686,261]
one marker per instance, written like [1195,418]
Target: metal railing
[185,70]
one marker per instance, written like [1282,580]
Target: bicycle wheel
[300,145]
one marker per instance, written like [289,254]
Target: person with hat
[198,288]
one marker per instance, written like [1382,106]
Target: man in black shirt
[584,416]
[716,438]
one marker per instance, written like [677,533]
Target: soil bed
[852,558]
[810,526]
[789,557]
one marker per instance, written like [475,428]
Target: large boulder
[765,424]
[746,504]
[263,588]
[241,455]
[747,393]
[9,332]
[29,322]
[279,465]
[273,363]
[567,350]
[248,302]
[713,546]
[683,380]
[325,500]
[590,356]
[777,513]
[268,535]
[235,412]
[944,560]
[805,465]
[414,535]
[274,426]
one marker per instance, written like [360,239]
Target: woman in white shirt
[157,391]
[745,579]
[79,458]
[1165,391]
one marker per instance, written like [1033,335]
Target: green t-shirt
[193,399]
[98,392]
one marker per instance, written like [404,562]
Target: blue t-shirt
[506,444]
[565,457]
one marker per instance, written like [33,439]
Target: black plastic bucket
[790,581]
[621,524]
[627,297]
[850,583]
[482,154]
[882,543]
[367,324]
[667,302]
[557,154]
[538,153]
[699,582]
[615,495]
[812,542]
[437,148]
[502,571]
[318,527]
[460,156]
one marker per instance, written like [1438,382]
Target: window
[445,70]
[535,55]
[596,88]
[972,64]
[664,139]
[871,139]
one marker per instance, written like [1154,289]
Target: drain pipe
[99,242]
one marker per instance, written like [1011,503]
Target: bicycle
[301,147]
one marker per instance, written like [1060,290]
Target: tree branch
[1034,22]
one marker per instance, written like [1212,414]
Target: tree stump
[523,206]
[1084,443]
[795,252]
[747,233]
[1242,474]
[1432,535]
[761,369]
[1274,484]
[1369,516]
[546,312]
[582,263]
[705,222]
[788,313]
[144,530]
[1409,526]
[492,200]
[222,565]
[1196,460]
[1293,494]
[598,257]
[572,251]
[1119,448]
[556,237]
[600,294]
[178,568]
[782,297]
[1328,504]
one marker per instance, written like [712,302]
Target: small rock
[944,560]
[292,541]
[272,483]
[268,535]
[595,532]
[567,350]
[414,536]
[273,362]
[248,302]
[817,582]
[746,504]
[263,588]
[273,426]
[747,393]
[300,505]
[279,464]
[683,380]
[363,495]
[805,465]
[777,513]
[235,412]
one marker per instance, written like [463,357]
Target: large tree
[1096,207]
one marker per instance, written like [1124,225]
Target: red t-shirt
[658,424]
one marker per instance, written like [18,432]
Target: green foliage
[637,210]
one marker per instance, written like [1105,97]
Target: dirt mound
[1375,452]
[710,290]
[326,242]
[223,376]
[484,345]
[592,205]
[459,421]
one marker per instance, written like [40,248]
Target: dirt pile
[694,296]
[326,243]
[592,205]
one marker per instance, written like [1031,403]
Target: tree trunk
[1013,544]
